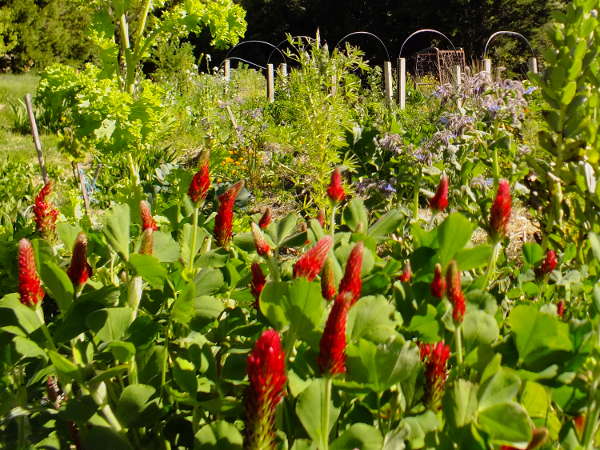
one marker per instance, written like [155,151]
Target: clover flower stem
[333,211]
[194,237]
[326,400]
[591,419]
[458,342]
[496,166]
[416,198]
[290,341]
[163,371]
[492,264]
[40,313]
[273,268]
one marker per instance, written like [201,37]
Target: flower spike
[309,265]
[148,222]
[352,282]
[500,212]
[79,271]
[439,201]
[332,354]
[30,286]
[45,214]
[335,190]
[438,285]
[224,220]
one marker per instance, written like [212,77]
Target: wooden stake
[36,137]
[270,83]
[487,68]
[78,169]
[458,82]
[387,79]
[533,66]
[283,70]
[402,83]
[227,69]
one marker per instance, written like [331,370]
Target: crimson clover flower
[321,217]
[257,283]
[500,212]
[328,288]
[200,183]
[455,293]
[438,285]
[335,190]
[266,372]
[262,247]
[30,286]
[406,274]
[45,214]
[266,219]
[79,271]
[439,201]
[148,222]
[332,354]
[548,264]
[435,357]
[224,220]
[351,282]
[309,265]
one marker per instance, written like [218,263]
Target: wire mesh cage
[436,63]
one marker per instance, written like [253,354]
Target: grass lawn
[15,137]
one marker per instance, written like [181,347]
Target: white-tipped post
[533,66]
[487,68]
[270,83]
[387,81]
[402,83]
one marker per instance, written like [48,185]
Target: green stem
[332,229]
[591,419]
[273,268]
[40,313]
[326,401]
[492,264]
[458,341]
[163,372]
[194,237]
[416,198]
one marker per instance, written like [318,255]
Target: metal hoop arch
[244,61]
[300,36]
[425,30]
[510,33]
[366,33]
[254,41]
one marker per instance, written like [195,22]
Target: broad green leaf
[417,428]
[384,365]
[208,307]
[453,234]
[535,399]
[67,233]
[385,225]
[116,229]
[15,314]
[208,281]
[150,269]
[309,409]
[502,387]
[132,402]
[28,348]
[371,318]
[79,409]
[506,424]
[462,407]
[285,227]
[66,369]
[165,248]
[182,310]
[184,374]
[122,351]
[356,216]
[568,92]
[271,305]
[96,437]
[479,328]
[58,284]
[472,258]
[220,435]
[427,326]
[537,334]
[595,244]
[110,324]
[359,435]
[532,253]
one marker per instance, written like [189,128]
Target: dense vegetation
[208,269]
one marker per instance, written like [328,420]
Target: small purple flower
[530,90]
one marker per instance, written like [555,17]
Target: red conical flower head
[560,309]
[148,222]
[200,184]
[45,214]
[30,286]
[406,274]
[79,271]
[257,284]
[352,283]
[266,372]
[224,219]
[332,354]
[309,265]
[328,289]
[435,357]
[455,294]
[321,217]
[147,245]
[262,247]
[266,219]
[500,212]
[439,201]
[549,263]
[335,190]
[438,285]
